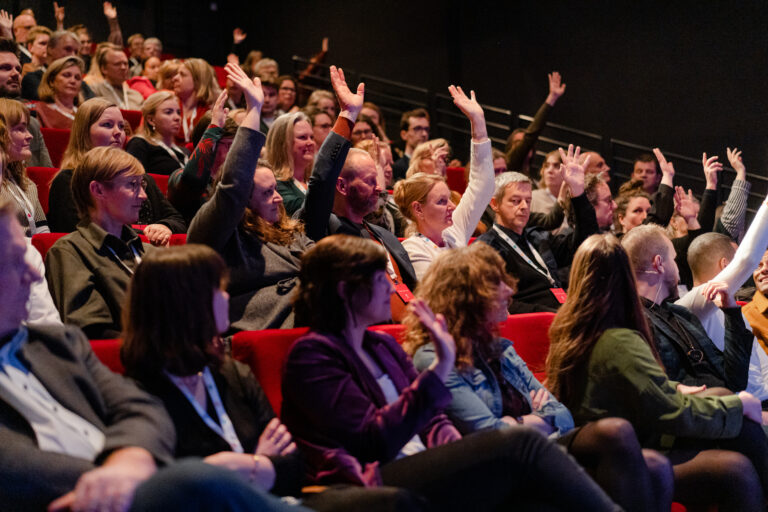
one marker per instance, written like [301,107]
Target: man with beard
[10,87]
[344,189]
[687,354]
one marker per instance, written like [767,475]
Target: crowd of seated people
[299,211]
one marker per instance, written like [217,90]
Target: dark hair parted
[334,259]
[463,285]
[168,318]
[602,295]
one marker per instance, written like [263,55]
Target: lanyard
[224,427]
[21,198]
[136,258]
[390,265]
[187,123]
[540,269]
[124,103]
[55,107]
[172,152]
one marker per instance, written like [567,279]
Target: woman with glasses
[98,122]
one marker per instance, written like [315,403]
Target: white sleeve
[748,254]
[40,307]
[476,197]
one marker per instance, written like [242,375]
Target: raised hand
[350,103]
[445,346]
[254,95]
[685,204]
[717,292]
[58,14]
[734,157]
[6,24]
[573,171]
[110,11]
[556,88]
[711,168]
[219,111]
[324,45]
[472,109]
[275,440]
[238,36]
[667,169]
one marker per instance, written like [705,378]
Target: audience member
[269,112]
[602,362]
[10,87]
[86,43]
[195,85]
[97,123]
[414,130]
[492,387]
[373,111]
[321,122]
[267,70]
[152,47]
[425,199]
[290,149]
[688,355]
[362,414]
[531,254]
[323,100]
[756,311]
[644,169]
[286,94]
[16,187]
[59,93]
[113,65]
[364,129]
[22,24]
[37,44]
[154,144]
[61,44]
[135,50]
[521,143]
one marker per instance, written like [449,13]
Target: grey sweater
[262,275]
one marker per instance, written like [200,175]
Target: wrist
[350,114]
[551,99]
[262,473]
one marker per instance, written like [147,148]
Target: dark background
[686,76]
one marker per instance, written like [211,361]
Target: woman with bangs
[291,151]
[492,388]
[195,85]
[425,199]
[603,362]
[89,270]
[16,186]
[99,123]
[59,93]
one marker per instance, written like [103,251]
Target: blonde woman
[154,145]
[59,93]
[195,85]
[291,152]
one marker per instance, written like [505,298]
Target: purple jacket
[337,412]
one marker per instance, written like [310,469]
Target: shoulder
[59,338]
[63,177]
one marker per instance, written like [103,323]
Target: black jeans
[497,470]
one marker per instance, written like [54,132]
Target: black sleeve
[663,206]
[737,350]
[706,215]
[516,155]
[548,221]
[139,148]
[585,225]
[62,214]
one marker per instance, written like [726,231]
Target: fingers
[289,449]
[659,156]
[269,430]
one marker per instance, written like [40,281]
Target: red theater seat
[456,179]
[42,176]
[221,76]
[44,241]
[162,182]
[176,239]
[108,352]
[133,117]
[56,141]
[530,332]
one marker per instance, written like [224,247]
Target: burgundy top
[337,412]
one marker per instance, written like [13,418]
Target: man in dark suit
[74,435]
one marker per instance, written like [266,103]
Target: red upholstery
[42,176]
[162,182]
[530,332]
[741,303]
[221,76]
[108,352]
[176,239]
[265,352]
[456,179]
[56,141]
[44,241]
[394,330]
[133,117]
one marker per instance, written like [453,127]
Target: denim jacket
[477,404]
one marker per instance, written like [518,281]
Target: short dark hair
[334,259]
[8,46]
[405,122]
[168,320]
[706,250]
[267,83]
[645,157]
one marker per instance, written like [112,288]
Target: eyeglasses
[292,89]
[133,183]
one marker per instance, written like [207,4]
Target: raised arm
[663,200]
[735,208]
[58,13]
[6,25]
[330,158]
[115,34]
[481,176]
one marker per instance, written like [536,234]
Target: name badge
[559,294]
[404,293]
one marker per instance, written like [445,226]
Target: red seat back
[265,352]
[44,241]
[176,239]
[108,352]
[395,330]
[133,117]
[530,332]
[456,179]
[42,176]
[162,182]
[221,76]
[56,141]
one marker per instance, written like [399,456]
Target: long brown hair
[80,136]
[602,295]
[12,112]
[463,285]
[168,320]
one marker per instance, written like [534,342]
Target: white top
[478,194]
[390,393]
[745,260]
[40,307]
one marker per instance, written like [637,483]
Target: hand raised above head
[468,105]
[666,167]
[573,171]
[254,95]
[219,111]
[734,158]
[349,102]
[711,168]
[556,88]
